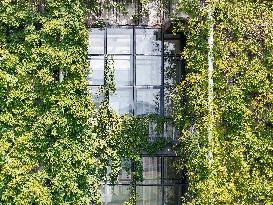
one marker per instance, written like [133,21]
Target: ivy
[241,171]
[55,147]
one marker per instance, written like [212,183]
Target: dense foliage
[242,144]
[55,147]
[48,137]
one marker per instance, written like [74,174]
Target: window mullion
[134,71]
[162,179]
[105,60]
[162,75]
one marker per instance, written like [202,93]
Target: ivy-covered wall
[55,147]
[48,141]
[242,141]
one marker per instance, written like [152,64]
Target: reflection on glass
[121,100]
[172,195]
[119,41]
[96,96]
[168,103]
[172,47]
[153,132]
[172,71]
[147,101]
[148,70]
[96,41]
[123,70]
[125,174]
[151,170]
[96,73]
[148,41]
[115,195]
[171,170]
[149,195]
[170,131]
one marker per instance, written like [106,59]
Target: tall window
[161,185]
[147,66]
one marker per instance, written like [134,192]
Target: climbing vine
[55,147]
[241,171]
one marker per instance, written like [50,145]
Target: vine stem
[210,95]
[210,86]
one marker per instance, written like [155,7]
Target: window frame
[172,182]
[162,185]
[133,55]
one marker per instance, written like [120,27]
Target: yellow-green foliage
[46,136]
[55,148]
[242,169]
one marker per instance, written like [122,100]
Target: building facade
[145,55]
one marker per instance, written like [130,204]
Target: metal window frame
[134,87]
[162,183]
[133,55]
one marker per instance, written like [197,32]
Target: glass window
[154,130]
[122,100]
[170,131]
[96,72]
[172,195]
[96,41]
[172,47]
[115,195]
[96,96]
[147,101]
[171,173]
[139,66]
[151,170]
[125,173]
[148,41]
[119,40]
[138,62]
[148,70]
[149,195]
[168,103]
[172,71]
[155,183]
[123,70]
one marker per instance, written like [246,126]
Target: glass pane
[125,174]
[154,131]
[122,100]
[115,195]
[96,96]
[96,73]
[149,195]
[119,40]
[123,70]
[172,47]
[148,41]
[168,103]
[147,101]
[148,70]
[170,131]
[172,71]
[151,170]
[172,195]
[96,41]
[171,169]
